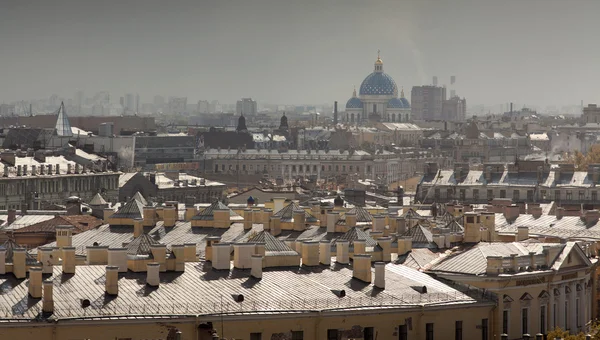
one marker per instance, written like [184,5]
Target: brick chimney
[494,265]
[159,253]
[35,282]
[190,212]
[360,247]
[511,212]
[310,253]
[247,219]
[111,283]
[242,253]
[19,267]
[591,217]
[361,267]
[179,252]
[342,251]
[522,233]
[107,213]
[350,219]
[536,212]
[118,257]
[2,260]
[275,225]
[257,266]
[379,275]
[153,274]
[299,220]
[208,249]
[332,218]
[189,250]
[560,212]
[149,216]
[12,216]
[325,252]
[48,300]
[222,218]
[221,256]
[138,227]
[379,223]
[385,243]
[68,260]
[170,216]
[96,255]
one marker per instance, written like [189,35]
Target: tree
[582,161]
[558,333]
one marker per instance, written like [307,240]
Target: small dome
[405,102]
[354,103]
[395,103]
[250,199]
[378,83]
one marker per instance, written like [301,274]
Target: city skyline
[277,52]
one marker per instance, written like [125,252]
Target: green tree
[558,333]
[582,161]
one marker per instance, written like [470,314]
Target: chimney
[560,212]
[536,212]
[2,260]
[19,170]
[19,266]
[57,169]
[350,219]
[342,251]
[111,283]
[25,170]
[69,171]
[159,253]
[179,251]
[96,255]
[222,218]
[149,216]
[64,236]
[190,212]
[591,217]
[152,274]
[494,265]
[332,218]
[385,243]
[299,220]
[393,224]
[190,252]
[208,249]
[12,216]
[107,213]
[118,257]
[325,252]
[48,301]
[257,266]
[278,203]
[379,275]
[401,221]
[379,223]
[35,282]
[68,260]
[242,253]
[247,219]
[310,253]
[511,212]
[275,225]
[33,170]
[361,266]
[76,168]
[360,247]
[260,248]
[267,213]
[335,113]
[138,227]
[8,157]
[170,216]
[221,256]
[6,170]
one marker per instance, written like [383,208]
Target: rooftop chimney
[170,216]
[379,275]
[179,251]
[332,218]
[138,227]
[19,267]
[275,225]
[107,213]
[362,267]
[189,250]
[350,219]
[2,260]
[591,217]
[299,220]
[152,274]
[310,253]
[35,282]
[222,218]
[560,212]
[149,216]
[48,300]
[68,260]
[379,223]
[247,215]
[511,212]
[159,253]
[325,252]
[96,255]
[522,233]
[64,236]
[494,265]
[401,222]
[12,216]
[342,251]
[112,280]
[257,266]
[118,257]
[360,247]
[242,253]
[385,243]
[221,256]
[278,203]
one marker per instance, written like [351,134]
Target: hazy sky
[284,51]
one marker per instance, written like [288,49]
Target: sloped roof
[272,244]
[141,245]
[455,227]
[287,213]
[80,224]
[97,200]
[10,245]
[63,126]
[419,234]
[362,215]
[139,197]
[207,214]
[356,233]
[132,209]
[411,213]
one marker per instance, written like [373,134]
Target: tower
[283,124]
[241,127]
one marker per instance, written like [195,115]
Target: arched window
[393,117]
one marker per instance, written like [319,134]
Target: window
[337,168]
[255,336]
[555,321]
[429,331]
[403,332]
[577,312]
[566,314]
[556,195]
[297,335]
[344,168]
[475,194]
[543,194]
[524,321]
[505,322]
[462,194]
[594,196]
[530,195]
[581,195]
[569,195]
[516,197]
[323,168]
[329,167]
[543,319]
[458,330]
[490,194]
[332,334]
[357,169]
[368,333]
[502,193]
[484,329]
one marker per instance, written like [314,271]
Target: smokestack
[510,107]
[256,269]
[380,275]
[112,280]
[335,113]
[35,282]
[47,300]
[152,274]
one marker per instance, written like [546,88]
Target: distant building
[427,102]
[169,186]
[177,105]
[7,109]
[163,149]
[203,106]
[215,107]
[454,109]
[591,114]
[247,106]
[159,102]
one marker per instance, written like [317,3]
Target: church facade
[377,100]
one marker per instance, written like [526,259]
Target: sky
[542,52]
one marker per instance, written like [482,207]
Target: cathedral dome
[378,84]
[395,103]
[354,103]
[405,102]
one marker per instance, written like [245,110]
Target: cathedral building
[377,100]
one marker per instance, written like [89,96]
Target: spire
[241,123]
[378,63]
[354,93]
[402,92]
[63,126]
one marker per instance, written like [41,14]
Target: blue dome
[378,83]
[354,103]
[405,102]
[395,103]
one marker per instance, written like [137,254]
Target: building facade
[246,106]
[427,102]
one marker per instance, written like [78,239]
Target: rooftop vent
[238,297]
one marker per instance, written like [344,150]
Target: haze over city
[535,52]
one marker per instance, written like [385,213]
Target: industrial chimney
[335,113]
